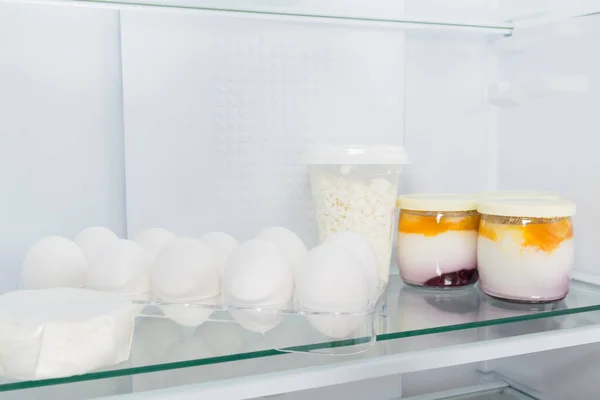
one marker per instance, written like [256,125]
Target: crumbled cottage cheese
[367,208]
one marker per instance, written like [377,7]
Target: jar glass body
[438,249]
[525,259]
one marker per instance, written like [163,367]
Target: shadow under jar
[525,249]
[437,240]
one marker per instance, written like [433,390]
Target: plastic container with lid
[354,188]
[525,248]
[437,240]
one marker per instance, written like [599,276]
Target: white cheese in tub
[51,333]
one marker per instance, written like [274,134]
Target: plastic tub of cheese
[437,240]
[58,332]
[354,189]
[525,248]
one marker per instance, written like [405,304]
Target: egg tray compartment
[287,327]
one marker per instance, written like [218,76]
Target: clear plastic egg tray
[286,327]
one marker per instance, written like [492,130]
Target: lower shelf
[504,394]
[485,391]
[416,329]
[479,393]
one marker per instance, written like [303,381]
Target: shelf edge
[408,22]
[316,377]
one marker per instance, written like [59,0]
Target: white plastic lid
[330,154]
[437,202]
[517,194]
[528,207]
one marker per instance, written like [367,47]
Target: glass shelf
[403,313]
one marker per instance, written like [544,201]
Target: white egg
[185,269]
[54,261]
[330,276]
[258,275]
[188,314]
[153,240]
[359,247]
[121,266]
[290,245]
[221,244]
[333,281]
[92,238]
[257,321]
[340,326]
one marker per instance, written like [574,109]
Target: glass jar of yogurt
[355,189]
[437,240]
[525,248]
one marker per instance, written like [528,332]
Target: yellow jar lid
[528,207]
[437,202]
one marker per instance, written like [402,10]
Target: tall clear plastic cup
[355,189]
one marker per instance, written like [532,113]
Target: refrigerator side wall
[61,135]
[549,120]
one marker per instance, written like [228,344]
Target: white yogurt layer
[421,257]
[510,271]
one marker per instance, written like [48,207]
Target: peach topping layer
[432,225]
[545,236]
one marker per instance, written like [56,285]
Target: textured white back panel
[61,148]
[218,109]
[549,139]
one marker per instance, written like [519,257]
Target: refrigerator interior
[195,121]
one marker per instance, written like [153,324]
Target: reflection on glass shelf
[160,344]
[412,311]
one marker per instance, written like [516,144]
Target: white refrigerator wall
[450,130]
[61,136]
[219,107]
[548,130]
